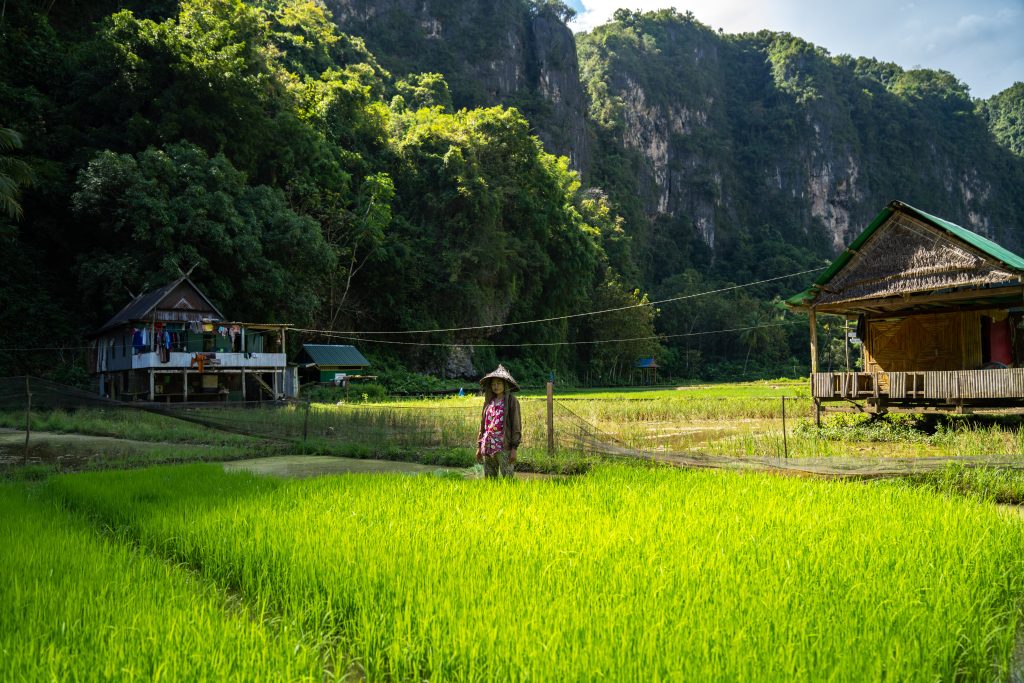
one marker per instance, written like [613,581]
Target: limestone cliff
[729,139]
[490,51]
[738,153]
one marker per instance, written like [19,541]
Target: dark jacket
[513,422]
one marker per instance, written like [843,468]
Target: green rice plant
[626,574]
[78,606]
[121,423]
[990,484]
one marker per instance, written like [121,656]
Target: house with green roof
[330,362]
[940,312]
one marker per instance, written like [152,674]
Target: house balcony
[940,390]
[183,360]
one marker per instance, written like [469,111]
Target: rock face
[709,143]
[766,133]
[490,51]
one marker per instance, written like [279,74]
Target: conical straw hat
[500,373]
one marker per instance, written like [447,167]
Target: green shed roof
[334,354]
[980,243]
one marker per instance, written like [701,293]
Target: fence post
[551,416]
[28,415]
[305,425]
[785,444]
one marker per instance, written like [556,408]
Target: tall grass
[77,606]
[124,424]
[627,574]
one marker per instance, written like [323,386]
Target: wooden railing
[949,386]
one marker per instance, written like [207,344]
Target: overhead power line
[357,335]
[342,335]
[558,317]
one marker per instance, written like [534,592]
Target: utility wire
[342,335]
[354,334]
[561,317]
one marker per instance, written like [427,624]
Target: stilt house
[172,344]
[940,312]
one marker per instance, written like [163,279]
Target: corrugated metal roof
[983,244]
[141,306]
[334,354]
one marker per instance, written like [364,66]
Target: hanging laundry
[137,344]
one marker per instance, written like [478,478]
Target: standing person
[500,425]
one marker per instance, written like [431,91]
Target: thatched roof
[908,259]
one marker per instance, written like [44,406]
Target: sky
[981,42]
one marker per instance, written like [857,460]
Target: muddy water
[66,451]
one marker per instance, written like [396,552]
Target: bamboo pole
[551,417]
[28,415]
[785,443]
[305,425]
[846,343]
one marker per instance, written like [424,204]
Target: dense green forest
[367,182]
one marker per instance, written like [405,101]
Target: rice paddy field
[625,574]
[625,571]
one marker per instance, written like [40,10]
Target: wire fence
[703,433]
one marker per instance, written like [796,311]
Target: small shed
[646,371]
[331,362]
[940,310]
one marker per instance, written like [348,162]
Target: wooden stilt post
[551,416]
[152,385]
[812,316]
[184,385]
[28,415]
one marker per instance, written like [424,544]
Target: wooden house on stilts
[940,312]
[173,345]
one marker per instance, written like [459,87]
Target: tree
[763,333]
[14,174]
[163,208]
[424,90]
[622,336]
[361,238]
[557,8]
[1004,113]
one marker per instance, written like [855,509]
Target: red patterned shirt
[494,427]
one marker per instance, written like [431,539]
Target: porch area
[988,390]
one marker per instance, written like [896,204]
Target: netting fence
[746,433]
